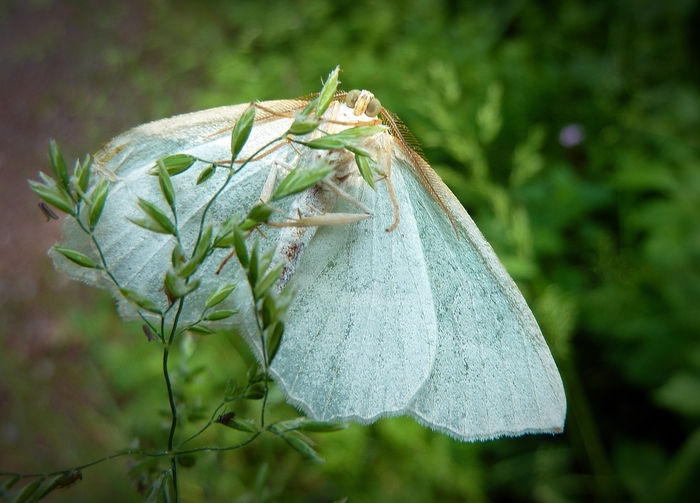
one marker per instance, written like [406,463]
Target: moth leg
[269,186]
[261,155]
[344,195]
[315,217]
[324,219]
[285,166]
[264,198]
[390,189]
[334,187]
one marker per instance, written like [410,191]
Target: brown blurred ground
[57,80]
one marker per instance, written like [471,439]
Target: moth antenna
[283,109]
[410,147]
[392,196]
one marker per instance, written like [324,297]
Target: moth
[401,306]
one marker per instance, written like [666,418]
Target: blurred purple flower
[571,135]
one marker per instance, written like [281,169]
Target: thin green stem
[173,468]
[203,428]
[105,267]
[228,179]
[263,346]
[91,463]
[107,270]
[264,402]
[171,395]
[131,452]
[171,453]
[218,448]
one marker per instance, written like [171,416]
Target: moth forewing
[139,257]
[490,342]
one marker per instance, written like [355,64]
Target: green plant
[83,196]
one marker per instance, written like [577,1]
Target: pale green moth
[401,306]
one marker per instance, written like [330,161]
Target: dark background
[571,132]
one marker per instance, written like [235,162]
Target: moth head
[363,102]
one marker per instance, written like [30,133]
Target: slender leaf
[253,370]
[274,340]
[97,204]
[200,254]
[305,449]
[206,174]
[224,237]
[77,257]
[327,92]
[268,280]
[200,330]
[365,166]
[253,265]
[174,164]
[350,139]
[240,247]
[74,181]
[219,295]
[157,215]
[309,109]
[260,213]
[46,487]
[9,483]
[159,492]
[83,178]
[310,425]
[269,311]
[259,376]
[58,165]
[264,263]
[300,179]
[149,224]
[204,243]
[231,389]
[166,185]
[54,196]
[176,285]
[27,491]
[241,131]
[321,426]
[246,426]
[140,300]
[220,315]
[255,392]
[177,256]
[303,125]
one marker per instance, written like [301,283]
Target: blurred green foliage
[603,236]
